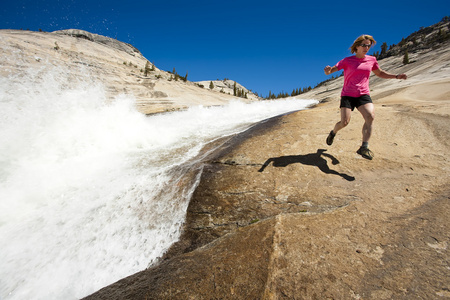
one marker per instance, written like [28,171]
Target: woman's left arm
[383,74]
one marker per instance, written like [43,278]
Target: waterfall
[91,190]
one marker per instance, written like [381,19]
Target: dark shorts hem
[352,102]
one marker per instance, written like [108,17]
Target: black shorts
[352,102]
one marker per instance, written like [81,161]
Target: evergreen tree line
[283,94]
[151,67]
[298,91]
[177,76]
[385,53]
[237,92]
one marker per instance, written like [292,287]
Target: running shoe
[330,138]
[365,152]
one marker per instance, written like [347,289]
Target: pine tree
[383,50]
[146,69]
[211,85]
[406,58]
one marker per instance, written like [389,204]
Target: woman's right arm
[328,70]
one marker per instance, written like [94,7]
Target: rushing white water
[92,191]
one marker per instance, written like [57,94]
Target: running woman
[355,92]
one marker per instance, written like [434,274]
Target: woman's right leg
[345,119]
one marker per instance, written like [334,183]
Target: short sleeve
[375,65]
[341,64]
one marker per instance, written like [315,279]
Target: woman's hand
[328,70]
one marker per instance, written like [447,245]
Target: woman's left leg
[368,113]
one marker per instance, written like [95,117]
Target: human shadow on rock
[313,159]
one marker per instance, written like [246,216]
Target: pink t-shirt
[356,74]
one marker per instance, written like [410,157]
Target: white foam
[93,191]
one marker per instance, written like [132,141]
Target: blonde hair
[359,40]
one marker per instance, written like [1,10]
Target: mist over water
[91,190]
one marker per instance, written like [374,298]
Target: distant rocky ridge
[120,67]
[225,86]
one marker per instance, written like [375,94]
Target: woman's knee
[345,116]
[367,111]
[369,117]
[345,121]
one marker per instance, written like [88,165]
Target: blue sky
[264,45]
